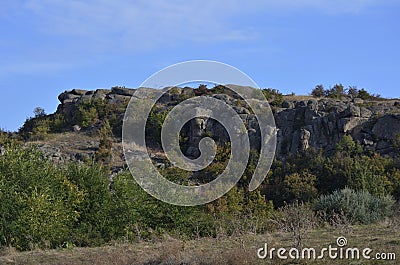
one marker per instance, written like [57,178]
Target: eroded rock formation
[301,123]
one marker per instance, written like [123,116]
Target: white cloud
[150,23]
[104,25]
[138,24]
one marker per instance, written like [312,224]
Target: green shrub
[95,223]
[41,129]
[90,111]
[3,137]
[274,97]
[359,206]
[300,186]
[347,146]
[104,152]
[88,116]
[154,123]
[318,91]
[40,126]
[370,174]
[58,123]
[140,216]
[336,92]
[39,203]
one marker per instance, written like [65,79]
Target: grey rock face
[387,127]
[123,91]
[304,138]
[117,98]
[67,96]
[79,92]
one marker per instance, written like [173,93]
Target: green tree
[368,174]
[273,96]
[363,94]
[336,92]
[300,186]
[318,91]
[39,203]
[352,91]
[39,112]
[154,124]
[347,146]
[104,152]
[96,223]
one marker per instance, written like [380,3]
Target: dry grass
[299,97]
[235,250]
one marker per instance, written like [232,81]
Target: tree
[336,92]
[40,204]
[201,90]
[39,112]
[352,91]
[296,218]
[300,186]
[318,91]
[104,153]
[363,94]
[348,146]
[273,96]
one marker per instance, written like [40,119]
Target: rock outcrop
[302,122]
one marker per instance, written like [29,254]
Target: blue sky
[48,46]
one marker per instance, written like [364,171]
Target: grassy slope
[234,250]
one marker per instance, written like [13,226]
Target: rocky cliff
[303,122]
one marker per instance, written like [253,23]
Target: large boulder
[79,92]
[67,97]
[123,91]
[117,99]
[387,127]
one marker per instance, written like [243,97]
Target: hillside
[303,122]
[64,183]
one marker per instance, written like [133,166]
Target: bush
[95,224]
[318,91]
[39,112]
[300,186]
[239,211]
[360,206]
[296,218]
[3,137]
[352,92]
[89,112]
[336,92]
[40,126]
[348,147]
[154,124]
[273,96]
[41,129]
[370,174]
[58,123]
[104,152]
[46,206]
[140,216]
[39,203]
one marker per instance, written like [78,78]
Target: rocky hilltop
[87,124]
[302,121]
